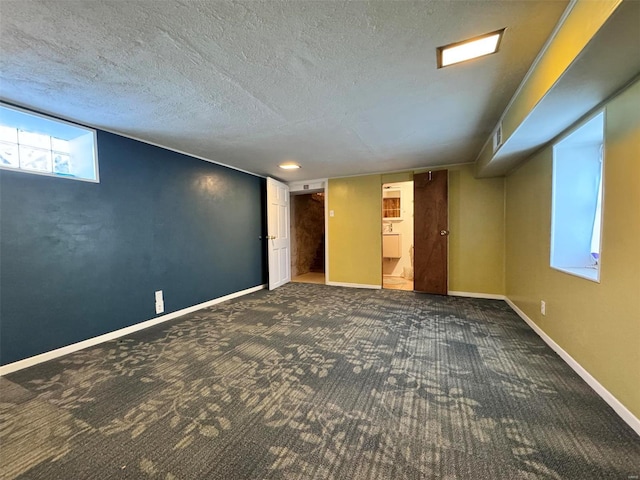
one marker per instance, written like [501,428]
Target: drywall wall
[82,259]
[476,222]
[584,19]
[476,239]
[354,237]
[598,324]
[582,23]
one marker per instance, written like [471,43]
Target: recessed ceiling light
[289,166]
[467,49]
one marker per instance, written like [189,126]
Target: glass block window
[34,143]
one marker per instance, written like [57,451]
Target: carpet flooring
[316,382]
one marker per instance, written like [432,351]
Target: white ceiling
[343,88]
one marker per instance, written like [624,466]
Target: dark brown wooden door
[430,231]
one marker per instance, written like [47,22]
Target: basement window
[576,217]
[34,143]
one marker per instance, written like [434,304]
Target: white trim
[588,273]
[297,187]
[624,413]
[326,231]
[354,285]
[448,235]
[490,296]
[59,352]
[278,243]
[325,190]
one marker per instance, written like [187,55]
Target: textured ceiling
[343,88]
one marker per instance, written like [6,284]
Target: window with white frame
[34,143]
[576,217]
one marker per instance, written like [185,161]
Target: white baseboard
[490,296]
[353,285]
[613,402]
[59,352]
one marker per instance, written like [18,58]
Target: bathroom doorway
[308,237]
[397,235]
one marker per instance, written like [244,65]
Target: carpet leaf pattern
[316,382]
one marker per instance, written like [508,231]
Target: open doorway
[397,236]
[307,237]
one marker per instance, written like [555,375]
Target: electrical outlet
[159,302]
[543,307]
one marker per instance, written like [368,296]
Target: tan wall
[476,241]
[355,244]
[597,324]
[476,218]
[581,24]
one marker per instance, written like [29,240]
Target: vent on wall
[497,138]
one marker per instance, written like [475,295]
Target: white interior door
[278,234]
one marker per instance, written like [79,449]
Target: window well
[576,217]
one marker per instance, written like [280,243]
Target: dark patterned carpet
[316,382]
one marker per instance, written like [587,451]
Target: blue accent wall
[80,259]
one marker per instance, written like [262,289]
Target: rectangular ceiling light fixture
[467,49]
[289,166]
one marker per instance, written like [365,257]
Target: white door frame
[317,185]
[326,232]
[278,233]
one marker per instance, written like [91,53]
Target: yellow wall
[354,236]
[476,241]
[579,27]
[582,23]
[597,324]
[476,222]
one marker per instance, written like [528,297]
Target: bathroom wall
[308,233]
[395,266]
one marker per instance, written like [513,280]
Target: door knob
[444,233]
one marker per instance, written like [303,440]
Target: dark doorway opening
[307,238]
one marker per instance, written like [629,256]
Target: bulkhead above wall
[592,57]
